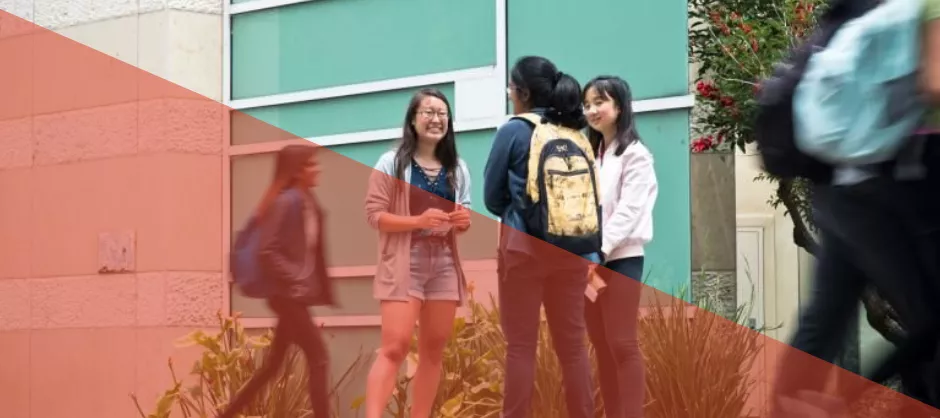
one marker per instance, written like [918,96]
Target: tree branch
[801,235]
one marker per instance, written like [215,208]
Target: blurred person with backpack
[419,201]
[628,195]
[280,256]
[863,127]
[540,180]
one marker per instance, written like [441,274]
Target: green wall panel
[335,116]
[474,148]
[328,43]
[366,153]
[669,257]
[354,295]
[645,42]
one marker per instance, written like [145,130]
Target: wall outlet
[117,252]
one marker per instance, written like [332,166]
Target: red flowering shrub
[736,43]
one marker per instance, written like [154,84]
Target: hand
[432,218]
[595,279]
[593,274]
[460,218]
[592,268]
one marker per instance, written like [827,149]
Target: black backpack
[773,129]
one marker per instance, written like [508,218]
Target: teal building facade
[341,72]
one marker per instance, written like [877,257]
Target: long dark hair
[551,89]
[446,150]
[618,90]
[290,161]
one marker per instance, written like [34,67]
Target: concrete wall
[80,183]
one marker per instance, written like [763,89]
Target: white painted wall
[779,264]
[179,40]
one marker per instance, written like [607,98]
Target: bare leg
[437,322]
[398,325]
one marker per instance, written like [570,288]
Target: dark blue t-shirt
[440,195]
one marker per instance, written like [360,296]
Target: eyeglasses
[428,114]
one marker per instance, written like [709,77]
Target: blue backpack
[243,261]
[858,101]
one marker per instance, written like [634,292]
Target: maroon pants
[294,326]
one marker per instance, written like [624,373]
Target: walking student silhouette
[292,258]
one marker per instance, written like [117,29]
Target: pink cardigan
[393,270]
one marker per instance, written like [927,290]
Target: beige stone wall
[142,175]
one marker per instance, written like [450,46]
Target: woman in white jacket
[628,193]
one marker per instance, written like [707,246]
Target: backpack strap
[535,150]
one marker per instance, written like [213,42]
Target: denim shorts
[433,273]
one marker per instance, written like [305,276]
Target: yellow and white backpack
[562,187]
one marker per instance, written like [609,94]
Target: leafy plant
[474,368]
[736,43]
[698,363]
[229,359]
[697,366]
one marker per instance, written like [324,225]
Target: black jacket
[283,251]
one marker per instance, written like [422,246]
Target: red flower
[703,144]
[724,29]
[800,12]
[727,101]
[706,89]
[754,45]
[746,28]
[735,16]
[715,16]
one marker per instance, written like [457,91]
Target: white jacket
[628,191]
